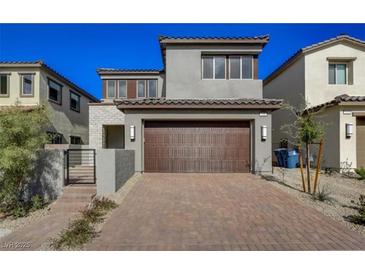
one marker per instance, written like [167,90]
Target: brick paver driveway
[218,212]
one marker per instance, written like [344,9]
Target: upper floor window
[122,88]
[214,67]
[240,67]
[4,85]
[55,137]
[75,140]
[146,88]
[111,89]
[152,88]
[75,101]
[54,92]
[337,74]
[26,84]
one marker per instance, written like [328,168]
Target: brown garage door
[360,141]
[197,146]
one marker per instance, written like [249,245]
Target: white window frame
[148,88]
[115,89]
[22,84]
[241,77]
[214,56]
[346,73]
[145,88]
[126,88]
[7,84]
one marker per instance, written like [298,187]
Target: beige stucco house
[202,112]
[330,77]
[35,83]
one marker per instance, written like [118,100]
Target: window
[214,67]
[54,92]
[111,87]
[141,88]
[74,101]
[337,74]
[75,140]
[4,85]
[235,67]
[26,84]
[240,67]
[152,88]
[122,88]
[246,67]
[55,137]
[220,67]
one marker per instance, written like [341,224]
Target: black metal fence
[80,166]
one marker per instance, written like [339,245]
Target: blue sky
[76,50]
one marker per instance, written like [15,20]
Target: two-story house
[28,84]
[330,78]
[203,112]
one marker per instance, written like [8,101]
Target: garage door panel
[360,141]
[196,146]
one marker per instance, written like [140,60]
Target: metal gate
[80,166]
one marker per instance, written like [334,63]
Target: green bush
[19,211]
[37,202]
[360,172]
[22,133]
[104,204]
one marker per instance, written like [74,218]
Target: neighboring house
[28,84]
[203,112]
[330,77]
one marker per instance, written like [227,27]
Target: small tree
[22,133]
[305,129]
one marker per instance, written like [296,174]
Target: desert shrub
[359,218]
[19,210]
[104,204]
[37,202]
[21,135]
[323,195]
[361,172]
[77,234]
[81,231]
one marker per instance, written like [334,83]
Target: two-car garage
[197,146]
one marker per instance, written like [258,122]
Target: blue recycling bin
[292,159]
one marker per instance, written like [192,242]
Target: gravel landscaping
[342,189]
[11,224]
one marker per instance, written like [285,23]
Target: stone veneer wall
[100,115]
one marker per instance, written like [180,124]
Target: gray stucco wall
[260,150]
[63,119]
[113,168]
[184,74]
[289,86]
[47,176]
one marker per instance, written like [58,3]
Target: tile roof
[311,48]
[127,71]
[239,103]
[338,100]
[40,63]
[261,38]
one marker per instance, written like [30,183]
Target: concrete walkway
[36,235]
[218,212]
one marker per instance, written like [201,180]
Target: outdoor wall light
[132,132]
[349,130]
[263,133]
